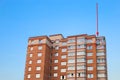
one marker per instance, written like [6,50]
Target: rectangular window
[31,48]
[81,46]
[70,75]
[81,40]
[81,53]
[57,41]
[100,67]
[57,47]
[81,74]
[56,68]
[89,54]
[56,54]
[64,50]
[37,75]
[55,61]
[71,47]
[28,76]
[55,74]
[30,62]
[39,54]
[71,67]
[100,53]
[89,68]
[31,55]
[90,61]
[38,61]
[62,77]
[89,47]
[64,43]
[101,75]
[90,75]
[89,41]
[39,47]
[63,63]
[29,69]
[38,68]
[79,67]
[101,60]
[40,41]
[81,60]
[71,54]
[71,40]
[63,56]
[100,47]
[71,61]
[63,70]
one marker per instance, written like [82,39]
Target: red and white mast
[97,32]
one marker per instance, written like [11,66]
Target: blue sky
[21,19]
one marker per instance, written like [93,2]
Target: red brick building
[78,57]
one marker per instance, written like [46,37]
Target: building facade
[78,57]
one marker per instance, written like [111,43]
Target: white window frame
[37,75]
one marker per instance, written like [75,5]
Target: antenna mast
[97,32]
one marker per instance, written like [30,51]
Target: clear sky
[21,19]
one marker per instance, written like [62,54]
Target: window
[80,59]
[71,47]
[100,53]
[81,46]
[71,67]
[38,68]
[81,40]
[39,54]
[64,43]
[100,60]
[89,54]
[81,74]
[31,48]
[55,74]
[38,61]
[56,48]
[62,77]
[80,53]
[57,41]
[100,47]
[70,75]
[63,56]
[56,68]
[55,61]
[32,42]
[89,47]
[56,54]
[71,61]
[71,53]
[29,69]
[40,48]
[90,75]
[63,70]
[40,41]
[71,40]
[31,55]
[28,76]
[101,75]
[64,50]
[79,67]
[89,41]
[89,68]
[63,63]
[30,62]
[37,75]
[90,61]
[100,67]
